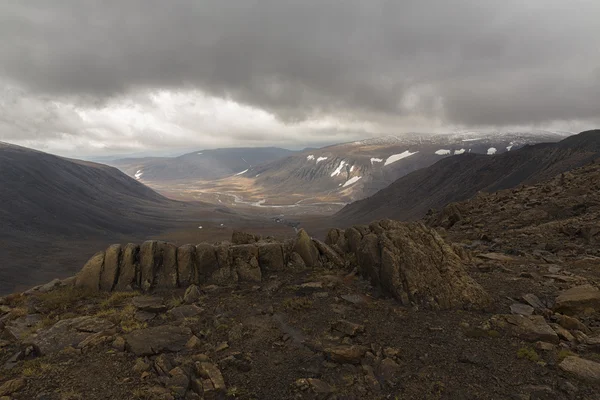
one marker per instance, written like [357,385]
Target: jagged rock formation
[410,262]
[407,261]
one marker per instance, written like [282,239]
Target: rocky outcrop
[407,261]
[412,263]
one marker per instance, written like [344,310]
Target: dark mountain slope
[55,211]
[460,177]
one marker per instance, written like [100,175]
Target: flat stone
[20,328]
[545,346]
[571,323]
[533,301]
[192,294]
[581,368]
[531,328]
[149,303]
[577,300]
[156,340]
[346,354]
[69,333]
[187,311]
[144,316]
[563,333]
[521,309]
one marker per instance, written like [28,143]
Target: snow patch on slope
[461,151]
[241,173]
[338,170]
[374,160]
[139,174]
[396,157]
[352,181]
[442,152]
[310,157]
[491,151]
[321,159]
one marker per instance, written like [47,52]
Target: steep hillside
[460,177]
[51,206]
[199,165]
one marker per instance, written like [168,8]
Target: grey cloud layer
[465,62]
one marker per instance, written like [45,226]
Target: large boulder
[187,265]
[158,265]
[89,276]
[69,332]
[271,257]
[328,255]
[110,272]
[129,268]
[245,262]
[206,262]
[305,247]
[578,300]
[415,265]
[147,264]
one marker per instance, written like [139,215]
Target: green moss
[528,353]
[564,354]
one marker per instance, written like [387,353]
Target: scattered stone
[389,371]
[192,294]
[578,300]
[533,301]
[315,385]
[222,347]
[178,382]
[312,285]
[563,333]
[12,386]
[156,340]
[149,303]
[186,311]
[346,354]
[521,309]
[571,323]
[545,346]
[141,366]
[193,343]
[119,343]
[581,368]
[530,328]
[20,328]
[213,379]
[554,269]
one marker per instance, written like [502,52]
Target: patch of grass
[528,353]
[564,353]
[175,301]
[124,317]
[34,368]
[298,303]
[117,299]
[493,333]
[71,395]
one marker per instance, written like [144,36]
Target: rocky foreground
[499,301]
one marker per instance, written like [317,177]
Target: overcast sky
[87,77]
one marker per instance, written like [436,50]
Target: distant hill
[460,177]
[199,165]
[351,171]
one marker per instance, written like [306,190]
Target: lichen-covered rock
[89,276]
[166,268]
[271,257]
[112,264]
[305,247]
[415,265]
[129,268]
[239,237]
[147,264]
[328,255]
[186,264]
[206,262]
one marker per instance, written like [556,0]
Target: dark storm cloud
[467,62]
